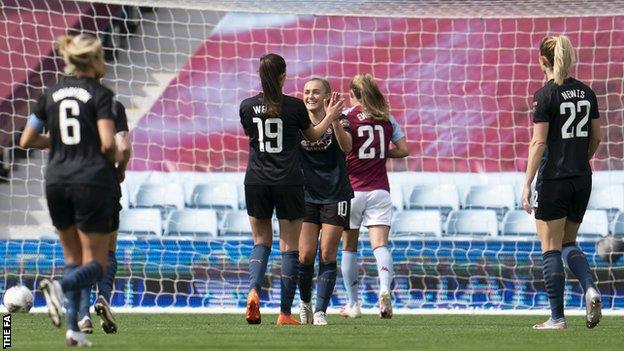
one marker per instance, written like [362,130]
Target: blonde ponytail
[368,94]
[79,52]
[563,58]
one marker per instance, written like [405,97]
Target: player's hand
[334,106]
[526,199]
[121,175]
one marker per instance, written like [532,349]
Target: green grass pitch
[178,332]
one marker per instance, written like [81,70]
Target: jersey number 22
[569,108]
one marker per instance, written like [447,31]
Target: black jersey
[70,110]
[274,151]
[121,125]
[119,113]
[325,169]
[569,109]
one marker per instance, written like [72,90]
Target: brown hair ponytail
[272,66]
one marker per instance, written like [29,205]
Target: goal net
[459,77]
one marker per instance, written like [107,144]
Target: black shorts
[116,211]
[89,208]
[337,213]
[288,201]
[561,198]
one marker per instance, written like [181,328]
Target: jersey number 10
[271,128]
[569,108]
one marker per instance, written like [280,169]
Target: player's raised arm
[333,111]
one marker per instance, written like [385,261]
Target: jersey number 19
[270,128]
[569,108]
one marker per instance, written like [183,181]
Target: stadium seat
[125,196]
[444,198]
[519,223]
[396,194]
[595,225]
[235,224]
[608,197]
[192,222]
[217,195]
[498,197]
[160,196]
[140,221]
[617,225]
[417,223]
[472,223]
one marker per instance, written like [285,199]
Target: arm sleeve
[35,123]
[593,111]
[104,104]
[540,108]
[121,121]
[303,119]
[40,109]
[397,133]
[243,118]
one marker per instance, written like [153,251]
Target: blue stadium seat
[162,196]
[498,197]
[519,223]
[595,225]
[617,225]
[217,195]
[444,198]
[192,222]
[235,224]
[472,223]
[608,197]
[140,221]
[417,223]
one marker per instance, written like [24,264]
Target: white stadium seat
[235,224]
[519,223]
[595,224]
[417,223]
[444,198]
[140,221]
[499,197]
[217,195]
[192,222]
[160,195]
[608,197]
[617,225]
[472,223]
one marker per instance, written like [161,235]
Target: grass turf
[179,332]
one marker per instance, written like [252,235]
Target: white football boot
[320,318]
[76,339]
[593,305]
[351,310]
[305,313]
[552,324]
[385,305]
[53,294]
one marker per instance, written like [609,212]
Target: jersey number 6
[567,131]
[271,128]
[68,122]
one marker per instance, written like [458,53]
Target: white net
[459,77]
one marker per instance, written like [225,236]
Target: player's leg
[308,246]
[575,258]
[377,218]
[349,264]
[554,199]
[290,210]
[105,285]
[260,210]
[335,217]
